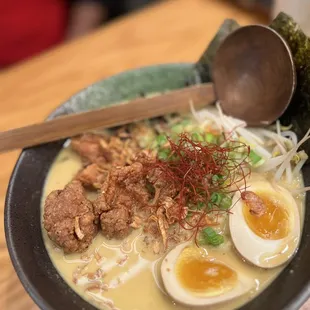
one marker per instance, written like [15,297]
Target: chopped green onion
[197,137]
[221,200]
[178,128]
[216,198]
[163,154]
[161,139]
[210,205]
[210,138]
[200,205]
[186,122]
[217,179]
[226,203]
[254,157]
[210,236]
[239,155]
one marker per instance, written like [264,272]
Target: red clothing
[28,27]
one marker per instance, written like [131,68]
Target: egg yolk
[200,275]
[273,224]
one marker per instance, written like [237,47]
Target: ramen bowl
[23,213]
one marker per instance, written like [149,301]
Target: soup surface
[126,273]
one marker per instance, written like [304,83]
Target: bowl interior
[22,210]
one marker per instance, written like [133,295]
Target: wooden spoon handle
[115,115]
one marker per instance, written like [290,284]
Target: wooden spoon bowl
[254,75]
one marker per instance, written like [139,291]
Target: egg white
[261,252]
[183,296]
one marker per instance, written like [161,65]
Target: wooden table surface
[171,31]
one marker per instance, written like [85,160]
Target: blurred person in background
[29,27]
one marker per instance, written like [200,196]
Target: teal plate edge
[130,84]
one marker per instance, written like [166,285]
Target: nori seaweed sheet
[298,112]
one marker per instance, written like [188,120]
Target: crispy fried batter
[136,222]
[155,177]
[125,186]
[151,226]
[172,210]
[163,227]
[116,223]
[104,151]
[89,148]
[164,188]
[131,194]
[69,218]
[122,193]
[92,176]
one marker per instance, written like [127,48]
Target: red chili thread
[191,167]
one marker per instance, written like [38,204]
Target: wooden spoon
[254,78]
[115,115]
[254,75]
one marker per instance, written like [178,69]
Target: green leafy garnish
[210,138]
[226,203]
[200,205]
[178,128]
[221,200]
[217,179]
[163,154]
[211,237]
[186,122]
[197,137]
[161,140]
[216,198]
[254,157]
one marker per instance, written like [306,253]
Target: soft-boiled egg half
[193,277]
[271,239]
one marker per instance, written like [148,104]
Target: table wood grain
[171,31]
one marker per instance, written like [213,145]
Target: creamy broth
[123,274]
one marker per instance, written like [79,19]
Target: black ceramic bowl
[22,210]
